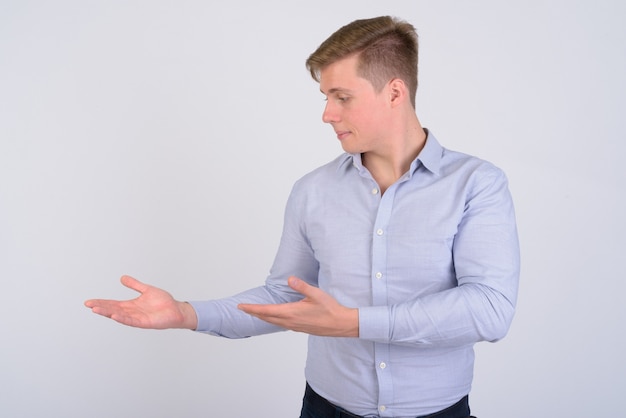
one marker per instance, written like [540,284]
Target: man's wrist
[190,318]
[353,321]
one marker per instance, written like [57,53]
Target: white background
[161,138]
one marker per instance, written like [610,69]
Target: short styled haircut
[386,46]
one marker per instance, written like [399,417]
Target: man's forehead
[344,83]
[340,76]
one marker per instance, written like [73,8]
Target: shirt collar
[429,157]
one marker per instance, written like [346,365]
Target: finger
[263,311]
[252,309]
[268,314]
[302,287]
[101,307]
[129,282]
[97,303]
[134,284]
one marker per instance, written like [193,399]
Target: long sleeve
[485,255]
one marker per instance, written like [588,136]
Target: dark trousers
[315,406]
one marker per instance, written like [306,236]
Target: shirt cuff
[206,312]
[374,323]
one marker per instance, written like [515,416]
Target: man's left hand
[317,314]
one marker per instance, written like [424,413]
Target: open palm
[154,308]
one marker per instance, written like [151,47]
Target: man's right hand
[154,308]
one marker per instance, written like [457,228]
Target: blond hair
[387,48]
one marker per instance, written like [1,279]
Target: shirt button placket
[380,298]
[382,366]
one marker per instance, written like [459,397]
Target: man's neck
[388,165]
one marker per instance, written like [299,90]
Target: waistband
[323,408]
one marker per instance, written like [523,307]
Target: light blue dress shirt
[432,265]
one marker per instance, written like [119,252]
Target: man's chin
[349,149]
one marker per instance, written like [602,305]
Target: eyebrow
[336,90]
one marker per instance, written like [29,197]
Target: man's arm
[487,264]
[481,307]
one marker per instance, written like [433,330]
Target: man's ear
[397,91]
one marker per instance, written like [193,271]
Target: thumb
[301,286]
[134,284]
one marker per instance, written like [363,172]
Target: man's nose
[330,113]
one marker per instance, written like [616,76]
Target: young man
[396,257]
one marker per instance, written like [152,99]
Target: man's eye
[341,99]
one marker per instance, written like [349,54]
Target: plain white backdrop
[160,139]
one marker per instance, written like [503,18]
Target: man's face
[356,112]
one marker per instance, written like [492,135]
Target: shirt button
[379,232]
[379,275]
[383,365]
[374,191]
[382,408]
